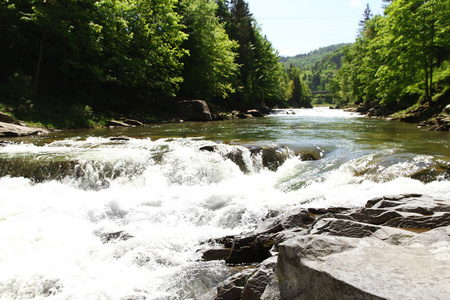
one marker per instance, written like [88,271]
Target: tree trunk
[38,68]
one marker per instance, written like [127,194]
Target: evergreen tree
[366,17]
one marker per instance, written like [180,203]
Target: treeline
[307,60]
[399,59]
[135,55]
[318,69]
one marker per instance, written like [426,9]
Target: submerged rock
[272,157]
[115,236]
[397,247]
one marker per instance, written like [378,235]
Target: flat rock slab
[12,130]
[396,247]
[416,266]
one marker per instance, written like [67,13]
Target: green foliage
[298,92]
[95,51]
[210,67]
[260,79]
[17,86]
[308,60]
[133,56]
[319,67]
[397,56]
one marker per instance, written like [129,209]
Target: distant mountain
[308,60]
[318,68]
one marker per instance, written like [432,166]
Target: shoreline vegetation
[83,64]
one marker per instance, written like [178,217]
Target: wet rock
[236,155]
[51,287]
[132,122]
[242,250]
[272,157]
[343,253]
[116,124]
[341,227]
[258,282]
[250,284]
[307,156]
[6,118]
[298,218]
[5,143]
[434,173]
[37,171]
[243,116]
[216,254]
[374,216]
[232,288]
[114,236]
[194,110]
[422,222]
[12,130]
[330,210]
[119,139]
[255,113]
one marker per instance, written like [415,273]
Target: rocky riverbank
[396,247]
[435,117]
[12,128]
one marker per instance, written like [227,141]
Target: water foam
[169,197]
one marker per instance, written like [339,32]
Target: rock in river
[12,130]
[194,110]
[397,247]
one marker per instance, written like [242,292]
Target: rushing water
[62,194]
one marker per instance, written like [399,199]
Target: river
[62,194]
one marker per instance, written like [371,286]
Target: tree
[209,69]
[366,17]
[414,31]
[261,79]
[298,92]
[270,82]
[96,51]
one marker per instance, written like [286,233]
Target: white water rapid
[166,199]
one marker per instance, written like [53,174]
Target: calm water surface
[63,192]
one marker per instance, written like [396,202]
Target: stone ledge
[397,247]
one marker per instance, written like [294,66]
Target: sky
[300,26]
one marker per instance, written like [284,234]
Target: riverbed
[122,213]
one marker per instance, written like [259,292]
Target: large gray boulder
[12,130]
[415,266]
[396,247]
[194,110]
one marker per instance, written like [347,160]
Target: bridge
[321,94]
[320,97]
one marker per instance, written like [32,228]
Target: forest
[318,69]
[73,63]
[399,60]
[76,59]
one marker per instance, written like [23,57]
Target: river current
[124,213]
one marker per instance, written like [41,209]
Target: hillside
[307,60]
[318,68]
